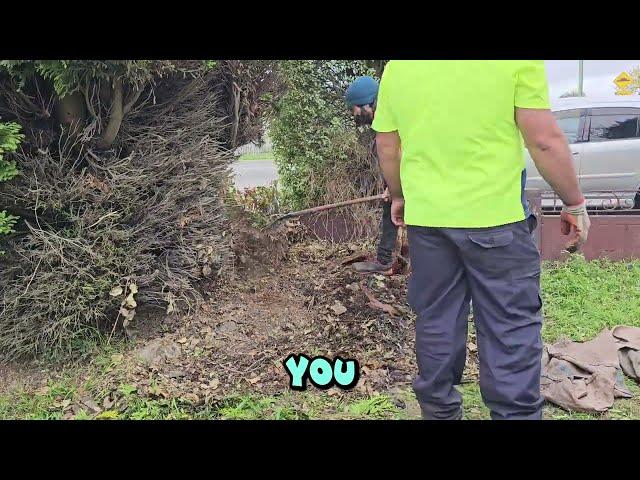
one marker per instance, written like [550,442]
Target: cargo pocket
[492,239]
[528,300]
[491,255]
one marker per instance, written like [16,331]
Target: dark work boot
[373,267]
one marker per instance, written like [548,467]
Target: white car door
[571,122]
[611,157]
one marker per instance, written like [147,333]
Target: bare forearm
[554,162]
[550,152]
[389,158]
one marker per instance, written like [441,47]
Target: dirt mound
[256,250]
[238,340]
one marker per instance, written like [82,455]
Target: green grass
[582,298]
[56,400]
[307,406]
[248,157]
[288,406]
[247,408]
[47,405]
[474,407]
[623,409]
[379,406]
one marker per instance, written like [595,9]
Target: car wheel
[636,201]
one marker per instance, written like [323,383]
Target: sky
[598,75]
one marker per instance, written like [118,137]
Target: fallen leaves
[116,291]
[117,358]
[107,403]
[62,403]
[90,404]
[158,391]
[129,302]
[128,305]
[190,398]
[338,308]
[239,341]
[44,390]
[375,303]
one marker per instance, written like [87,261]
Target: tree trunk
[116,115]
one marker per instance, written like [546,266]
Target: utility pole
[580,77]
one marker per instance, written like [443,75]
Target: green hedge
[320,154]
[10,138]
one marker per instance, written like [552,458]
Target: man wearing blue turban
[361,98]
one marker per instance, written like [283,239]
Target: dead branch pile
[104,230]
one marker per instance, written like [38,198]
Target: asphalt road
[254,173]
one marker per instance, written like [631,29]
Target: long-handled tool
[329,206]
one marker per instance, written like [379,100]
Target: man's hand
[386,194]
[574,221]
[397,211]
[363,115]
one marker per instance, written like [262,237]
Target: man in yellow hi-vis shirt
[457,186]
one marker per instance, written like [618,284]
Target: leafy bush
[321,156]
[10,138]
[259,203]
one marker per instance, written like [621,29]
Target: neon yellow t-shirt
[462,153]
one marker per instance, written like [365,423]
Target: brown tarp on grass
[588,376]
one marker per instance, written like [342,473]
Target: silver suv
[604,136]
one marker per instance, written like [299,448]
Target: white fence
[266,147]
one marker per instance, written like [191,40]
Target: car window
[569,123]
[614,124]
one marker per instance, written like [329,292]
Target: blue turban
[362,91]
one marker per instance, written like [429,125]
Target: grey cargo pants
[499,270]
